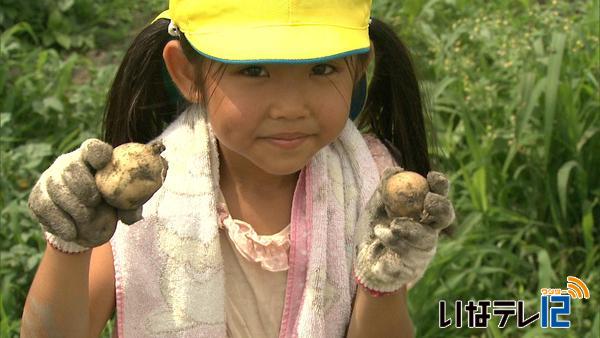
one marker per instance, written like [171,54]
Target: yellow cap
[285,31]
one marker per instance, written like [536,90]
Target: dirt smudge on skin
[41,320]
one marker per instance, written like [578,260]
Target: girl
[270,221]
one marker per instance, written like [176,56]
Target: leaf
[552,82]
[546,275]
[480,183]
[65,75]
[33,261]
[525,114]
[35,153]
[587,135]
[63,39]
[441,86]
[525,3]
[4,118]
[538,47]
[70,141]
[492,329]
[595,333]
[587,226]
[65,5]
[6,36]
[413,9]
[53,103]
[562,181]
[56,21]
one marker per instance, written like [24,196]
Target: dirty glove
[67,203]
[399,248]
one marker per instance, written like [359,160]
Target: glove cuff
[373,282]
[63,246]
[372,292]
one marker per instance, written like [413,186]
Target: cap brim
[280,44]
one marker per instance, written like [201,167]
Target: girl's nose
[289,102]
[288,112]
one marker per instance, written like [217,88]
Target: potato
[404,195]
[135,172]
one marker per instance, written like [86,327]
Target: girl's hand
[399,248]
[67,203]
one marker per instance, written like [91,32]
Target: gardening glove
[399,249]
[68,205]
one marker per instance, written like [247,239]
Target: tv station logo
[554,303]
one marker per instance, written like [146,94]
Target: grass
[54,75]
[513,91]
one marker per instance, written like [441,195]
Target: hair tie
[173,29]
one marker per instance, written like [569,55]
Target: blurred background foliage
[57,60]
[513,93]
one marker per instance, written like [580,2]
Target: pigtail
[138,105]
[394,108]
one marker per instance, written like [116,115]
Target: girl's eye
[323,69]
[254,71]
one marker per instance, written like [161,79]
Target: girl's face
[276,117]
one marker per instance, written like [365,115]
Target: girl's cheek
[243,103]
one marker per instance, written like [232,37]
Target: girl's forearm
[58,304]
[385,316]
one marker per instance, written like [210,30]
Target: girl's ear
[181,70]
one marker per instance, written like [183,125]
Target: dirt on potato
[135,172]
[404,194]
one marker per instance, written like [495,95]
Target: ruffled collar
[270,251]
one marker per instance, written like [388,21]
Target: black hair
[139,106]
[394,110]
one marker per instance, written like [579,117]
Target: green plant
[53,82]
[514,96]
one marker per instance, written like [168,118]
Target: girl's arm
[385,316]
[71,295]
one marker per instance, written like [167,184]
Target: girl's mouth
[287,142]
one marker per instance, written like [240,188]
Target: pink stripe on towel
[298,258]
[119,294]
